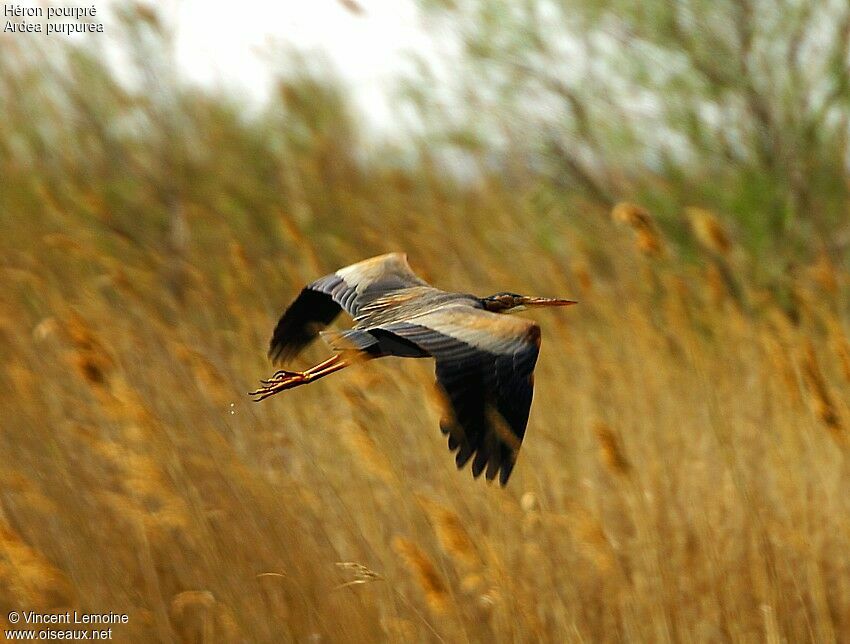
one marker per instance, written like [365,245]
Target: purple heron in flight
[484,359]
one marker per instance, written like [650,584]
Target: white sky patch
[232,44]
[237,45]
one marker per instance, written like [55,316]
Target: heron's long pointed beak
[547,301]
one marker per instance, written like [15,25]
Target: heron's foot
[280,381]
[283,380]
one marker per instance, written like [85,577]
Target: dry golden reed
[581,270]
[423,570]
[451,533]
[367,452]
[193,605]
[824,273]
[611,450]
[821,399]
[647,237]
[717,286]
[361,573]
[708,231]
[207,377]
[90,357]
[27,577]
[779,364]
[589,535]
[840,347]
[189,599]
[399,630]
[140,491]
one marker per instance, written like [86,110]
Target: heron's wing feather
[300,324]
[349,288]
[485,365]
[375,277]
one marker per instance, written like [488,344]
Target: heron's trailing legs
[283,380]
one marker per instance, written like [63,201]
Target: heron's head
[512,302]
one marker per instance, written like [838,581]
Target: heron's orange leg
[283,380]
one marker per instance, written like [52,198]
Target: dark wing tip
[490,456]
[300,324]
[505,473]
[283,349]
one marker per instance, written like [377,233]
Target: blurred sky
[239,44]
[230,43]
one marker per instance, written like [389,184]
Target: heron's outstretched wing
[349,288]
[485,365]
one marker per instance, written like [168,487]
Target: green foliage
[740,106]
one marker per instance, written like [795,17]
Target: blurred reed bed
[685,471]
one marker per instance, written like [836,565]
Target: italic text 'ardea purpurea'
[484,360]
